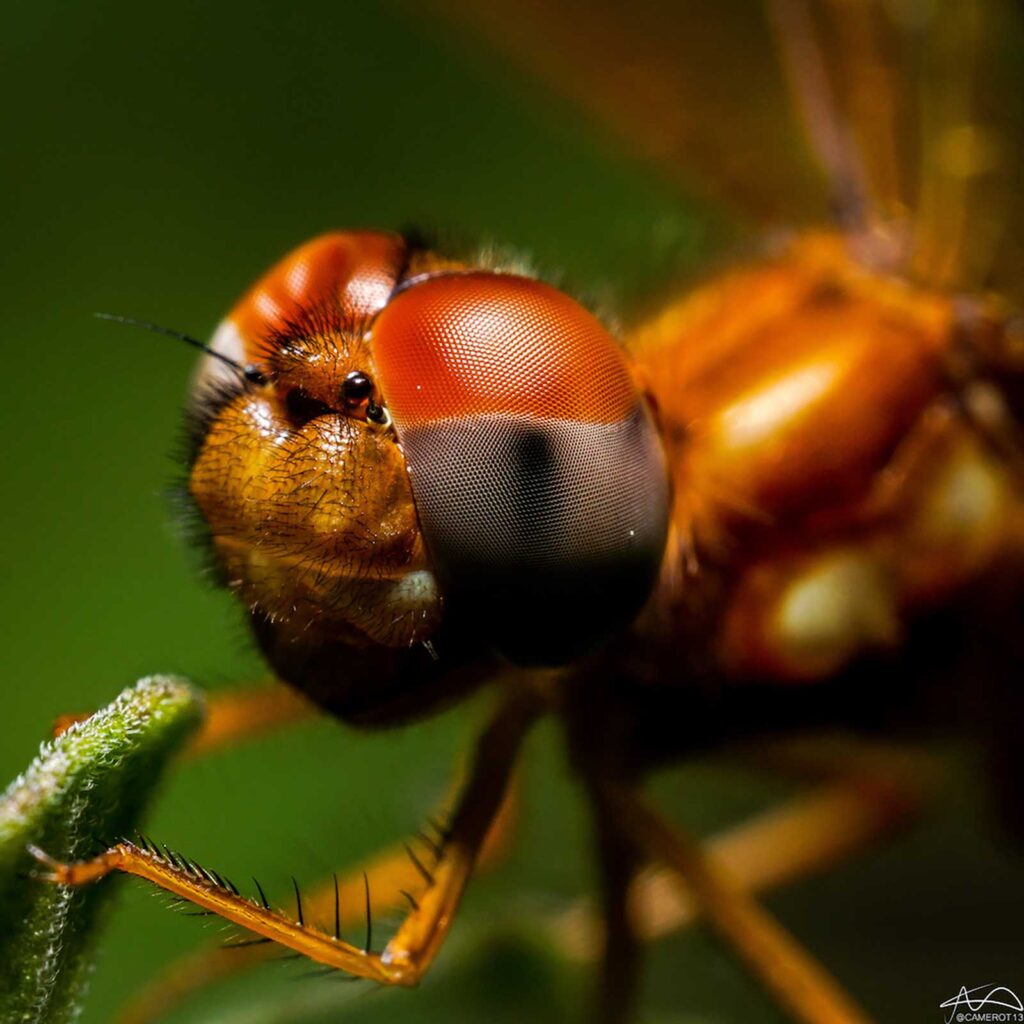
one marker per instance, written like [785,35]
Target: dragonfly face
[433,461]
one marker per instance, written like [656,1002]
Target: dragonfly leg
[410,952]
[790,975]
[618,971]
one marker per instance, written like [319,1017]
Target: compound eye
[539,479]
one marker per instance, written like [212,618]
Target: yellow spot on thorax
[761,413]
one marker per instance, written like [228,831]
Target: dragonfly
[786,469]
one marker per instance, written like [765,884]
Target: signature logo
[994,1003]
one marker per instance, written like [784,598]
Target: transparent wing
[695,88]
[929,89]
[967,212]
[894,113]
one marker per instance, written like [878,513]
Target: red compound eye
[483,343]
[538,477]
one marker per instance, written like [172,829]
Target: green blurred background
[156,159]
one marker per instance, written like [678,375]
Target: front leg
[412,950]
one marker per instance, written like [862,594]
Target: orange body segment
[821,465]
[787,386]
[355,270]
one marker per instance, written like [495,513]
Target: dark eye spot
[356,388]
[303,407]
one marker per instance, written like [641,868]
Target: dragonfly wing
[892,114]
[696,89]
